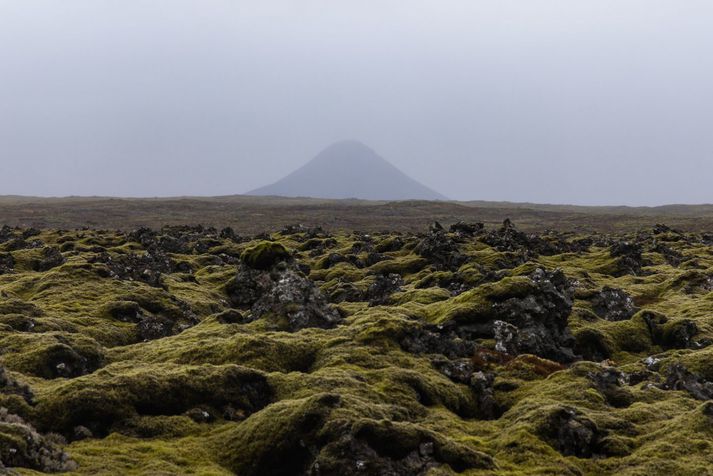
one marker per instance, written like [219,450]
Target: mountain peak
[349,169]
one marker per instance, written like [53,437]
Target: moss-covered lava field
[463,349]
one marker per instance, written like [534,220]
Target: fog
[583,102]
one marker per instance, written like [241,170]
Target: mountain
[349,169]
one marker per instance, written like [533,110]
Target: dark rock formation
[147,267]
[10,386]
[571,434]
[629,258]
[294,302]
[271,283]
[51,258]
[536,323]
[610,383]
[613,304]
[439,249]
[21,446]
[383,286]
[7,263]
[679,377]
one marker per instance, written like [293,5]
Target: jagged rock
[613,304]
[393,448]
[506,337]
[7,263]
[610,383]
[381,289]
[672,257]
[466,229]
[671,335]
[6,234]
[294,302]
[439,249]
[537,323]
[10,386]
[147,267]
[679,335]
[23,447]
[154,327]
[437,340]
[507,238]
[51,258]
[248,285]
[482,385]
[458,370]
[679,377]
[145,236]
[629,258]
[228,233]
[571,434]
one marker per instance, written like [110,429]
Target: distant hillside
[349,169]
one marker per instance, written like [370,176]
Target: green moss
[280,401]
[264,255]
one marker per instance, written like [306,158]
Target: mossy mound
[462,350]
[264,255]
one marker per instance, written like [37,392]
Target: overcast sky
[569,101]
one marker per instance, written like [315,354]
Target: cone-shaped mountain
[349,169]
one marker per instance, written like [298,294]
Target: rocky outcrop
[271,283]
[21,446]
[613,304]
[536,323]
[441,250]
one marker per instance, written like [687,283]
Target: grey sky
[570,101]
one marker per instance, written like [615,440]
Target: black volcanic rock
[349,169]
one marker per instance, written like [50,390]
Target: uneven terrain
[456,349]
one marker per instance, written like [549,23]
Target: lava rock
[629,258]
[154,327]
[439,249]
[610,383]
[7,263]
[51,258]
[537,323]
[23,447]
[679,377]
[437,340]
[381,289]
[147,267]
[294,302]
[571,434]
[10,386]
[466,229]
[613,304]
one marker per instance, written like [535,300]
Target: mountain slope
[349,169]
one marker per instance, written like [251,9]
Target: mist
[587,102]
